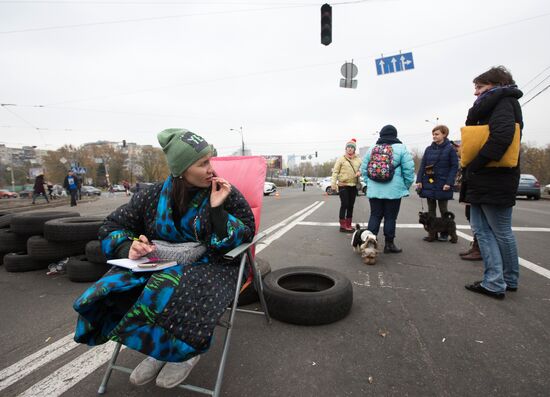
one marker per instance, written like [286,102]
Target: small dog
[365,243]
[433,225]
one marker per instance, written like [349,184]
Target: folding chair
[247,173]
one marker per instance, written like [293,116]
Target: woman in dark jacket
[38,188]
[491,191]
[437,173]
[170,315]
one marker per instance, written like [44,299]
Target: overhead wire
[534,96]
[534,78]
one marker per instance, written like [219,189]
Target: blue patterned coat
[169,314]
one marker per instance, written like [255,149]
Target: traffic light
[315,154]
[326,24]
[124,143]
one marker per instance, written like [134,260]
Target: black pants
[432,206]
[387,209]
[347,201]
[303,187]
[73,193]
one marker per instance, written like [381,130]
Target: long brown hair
[180,196]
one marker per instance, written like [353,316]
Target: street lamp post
[242,138]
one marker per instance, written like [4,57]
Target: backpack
[380,166]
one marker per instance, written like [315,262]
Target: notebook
[142,264]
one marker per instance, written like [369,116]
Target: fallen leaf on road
[371,379]
[443,340]
[383,332]
[48,338]
[479,341]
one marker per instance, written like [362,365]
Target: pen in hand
[140,247]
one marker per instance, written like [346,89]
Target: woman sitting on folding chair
[169,315]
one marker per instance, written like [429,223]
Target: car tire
[250,294]
[21,262]
[94,253]
[32,223]
[308,295]
[11,242]
[5,219]
[41,249]
[81,270]
[536,197]
[73,229]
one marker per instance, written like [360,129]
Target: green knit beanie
[182,148]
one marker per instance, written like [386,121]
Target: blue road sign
[394,63]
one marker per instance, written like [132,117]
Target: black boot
[391,248]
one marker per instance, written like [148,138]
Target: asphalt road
[413,329]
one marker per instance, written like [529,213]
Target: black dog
[434,225]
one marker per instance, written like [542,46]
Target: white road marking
[71,373]
[523,262]
[287,220]
[381,279]
[268,240]
[419,226]
[22,368]
[366,283]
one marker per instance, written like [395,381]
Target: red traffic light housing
[326,24]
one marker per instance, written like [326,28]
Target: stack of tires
[22,229]
[79,237]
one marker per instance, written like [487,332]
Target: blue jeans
[492,225]
[387,209]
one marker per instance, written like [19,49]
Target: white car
[325,186]
[269,188]
[547,189]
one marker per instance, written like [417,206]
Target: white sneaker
[175,373]
[146,371]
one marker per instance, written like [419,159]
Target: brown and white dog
[366,244]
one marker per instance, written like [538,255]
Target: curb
[43,205]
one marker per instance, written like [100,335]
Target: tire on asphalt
[79,269]
[41,249]
[32,223]
[250,294]
[73,229]
[21,262]
[11,242]
[94,253]
[5,219]
[308,295]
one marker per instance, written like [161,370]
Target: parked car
[269,188]
[547,189]
[90,191]
[26,193]
[325,186]
[528,186]
[7,194]
[142,185]
[118,188]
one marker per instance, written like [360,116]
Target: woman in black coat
[491,191]
[437,173]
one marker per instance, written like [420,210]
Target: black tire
[536,197]
[21,262]
[250,294]
[11,242]
[94,253]
[5,219]
[41,249]
[32,223]
[80,270]
[73,229]
[308,295]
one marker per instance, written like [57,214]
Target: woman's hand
[446,187]
[419,186]
[220,190]
[140,247]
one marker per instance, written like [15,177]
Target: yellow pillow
[473,139]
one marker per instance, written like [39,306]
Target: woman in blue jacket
[385,197]
[437,173]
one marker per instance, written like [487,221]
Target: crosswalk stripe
[71,373]
[29,364]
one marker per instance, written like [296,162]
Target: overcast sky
[114,70]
